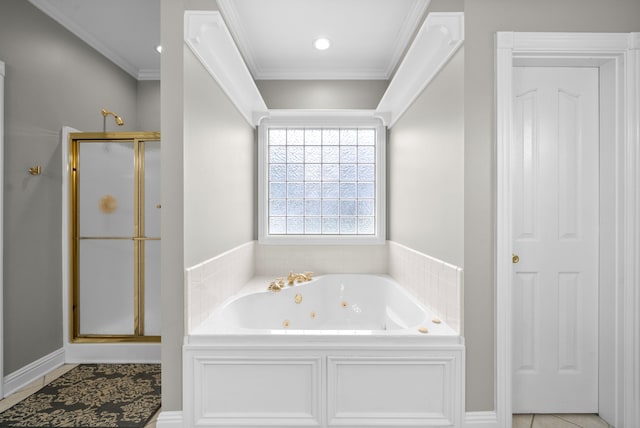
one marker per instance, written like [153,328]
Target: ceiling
[125,31]
[274,36]
[368,37]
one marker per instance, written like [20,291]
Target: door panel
[105,189]
[152,206]
[555,229]
[152,303]
[106,298]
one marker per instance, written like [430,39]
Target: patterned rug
[92,396]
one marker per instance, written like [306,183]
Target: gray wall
[322,94]
[219,168]
[425,169]
[482,20]
[52,79]
[173,196]
[148,105]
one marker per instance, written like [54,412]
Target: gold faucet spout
[299,277]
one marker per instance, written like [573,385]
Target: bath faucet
[276,285]
[293,278]
[299,277]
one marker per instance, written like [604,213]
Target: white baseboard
[84,353]
[27,374]
[169,420]
[481,420]
[472,419]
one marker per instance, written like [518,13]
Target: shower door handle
[144,238]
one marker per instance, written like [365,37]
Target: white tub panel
[257,391]
[395,392]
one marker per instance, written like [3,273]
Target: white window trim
[325,119]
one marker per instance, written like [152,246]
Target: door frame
[618,57]
[2,71]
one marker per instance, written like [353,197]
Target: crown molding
[437,40]
[282,74]
[208,37]
[407,29]
[239,34]
[148,74]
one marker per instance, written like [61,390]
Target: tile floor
[559,421]
[39,383]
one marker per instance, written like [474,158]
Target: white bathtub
[350,350]
[330,304]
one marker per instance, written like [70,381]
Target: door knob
[515,258]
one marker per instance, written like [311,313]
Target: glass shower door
[151,250]
[116,238]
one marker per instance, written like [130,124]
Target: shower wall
[44,91]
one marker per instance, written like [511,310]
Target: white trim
[78,353]
[631,233]
[440,36]
[170,419]
[481,419]
[27,374]
[2,72]
[593,49]
[324,119]
[66,274]
[148,74]
[208,37]
[503,232]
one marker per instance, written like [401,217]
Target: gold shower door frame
[138,139]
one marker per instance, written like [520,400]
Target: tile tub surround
[211,282]
[278,260]
[436,284]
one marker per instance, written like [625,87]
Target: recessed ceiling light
[321,43]
[159,48]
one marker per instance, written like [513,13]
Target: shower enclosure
[115,237]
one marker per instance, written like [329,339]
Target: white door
[555,158]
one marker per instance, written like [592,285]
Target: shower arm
[106,113]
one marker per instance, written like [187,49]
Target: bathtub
[342,304]
[340,350]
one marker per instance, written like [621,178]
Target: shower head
[117,118]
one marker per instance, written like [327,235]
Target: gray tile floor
[559,421]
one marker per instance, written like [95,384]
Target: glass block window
[321,181]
